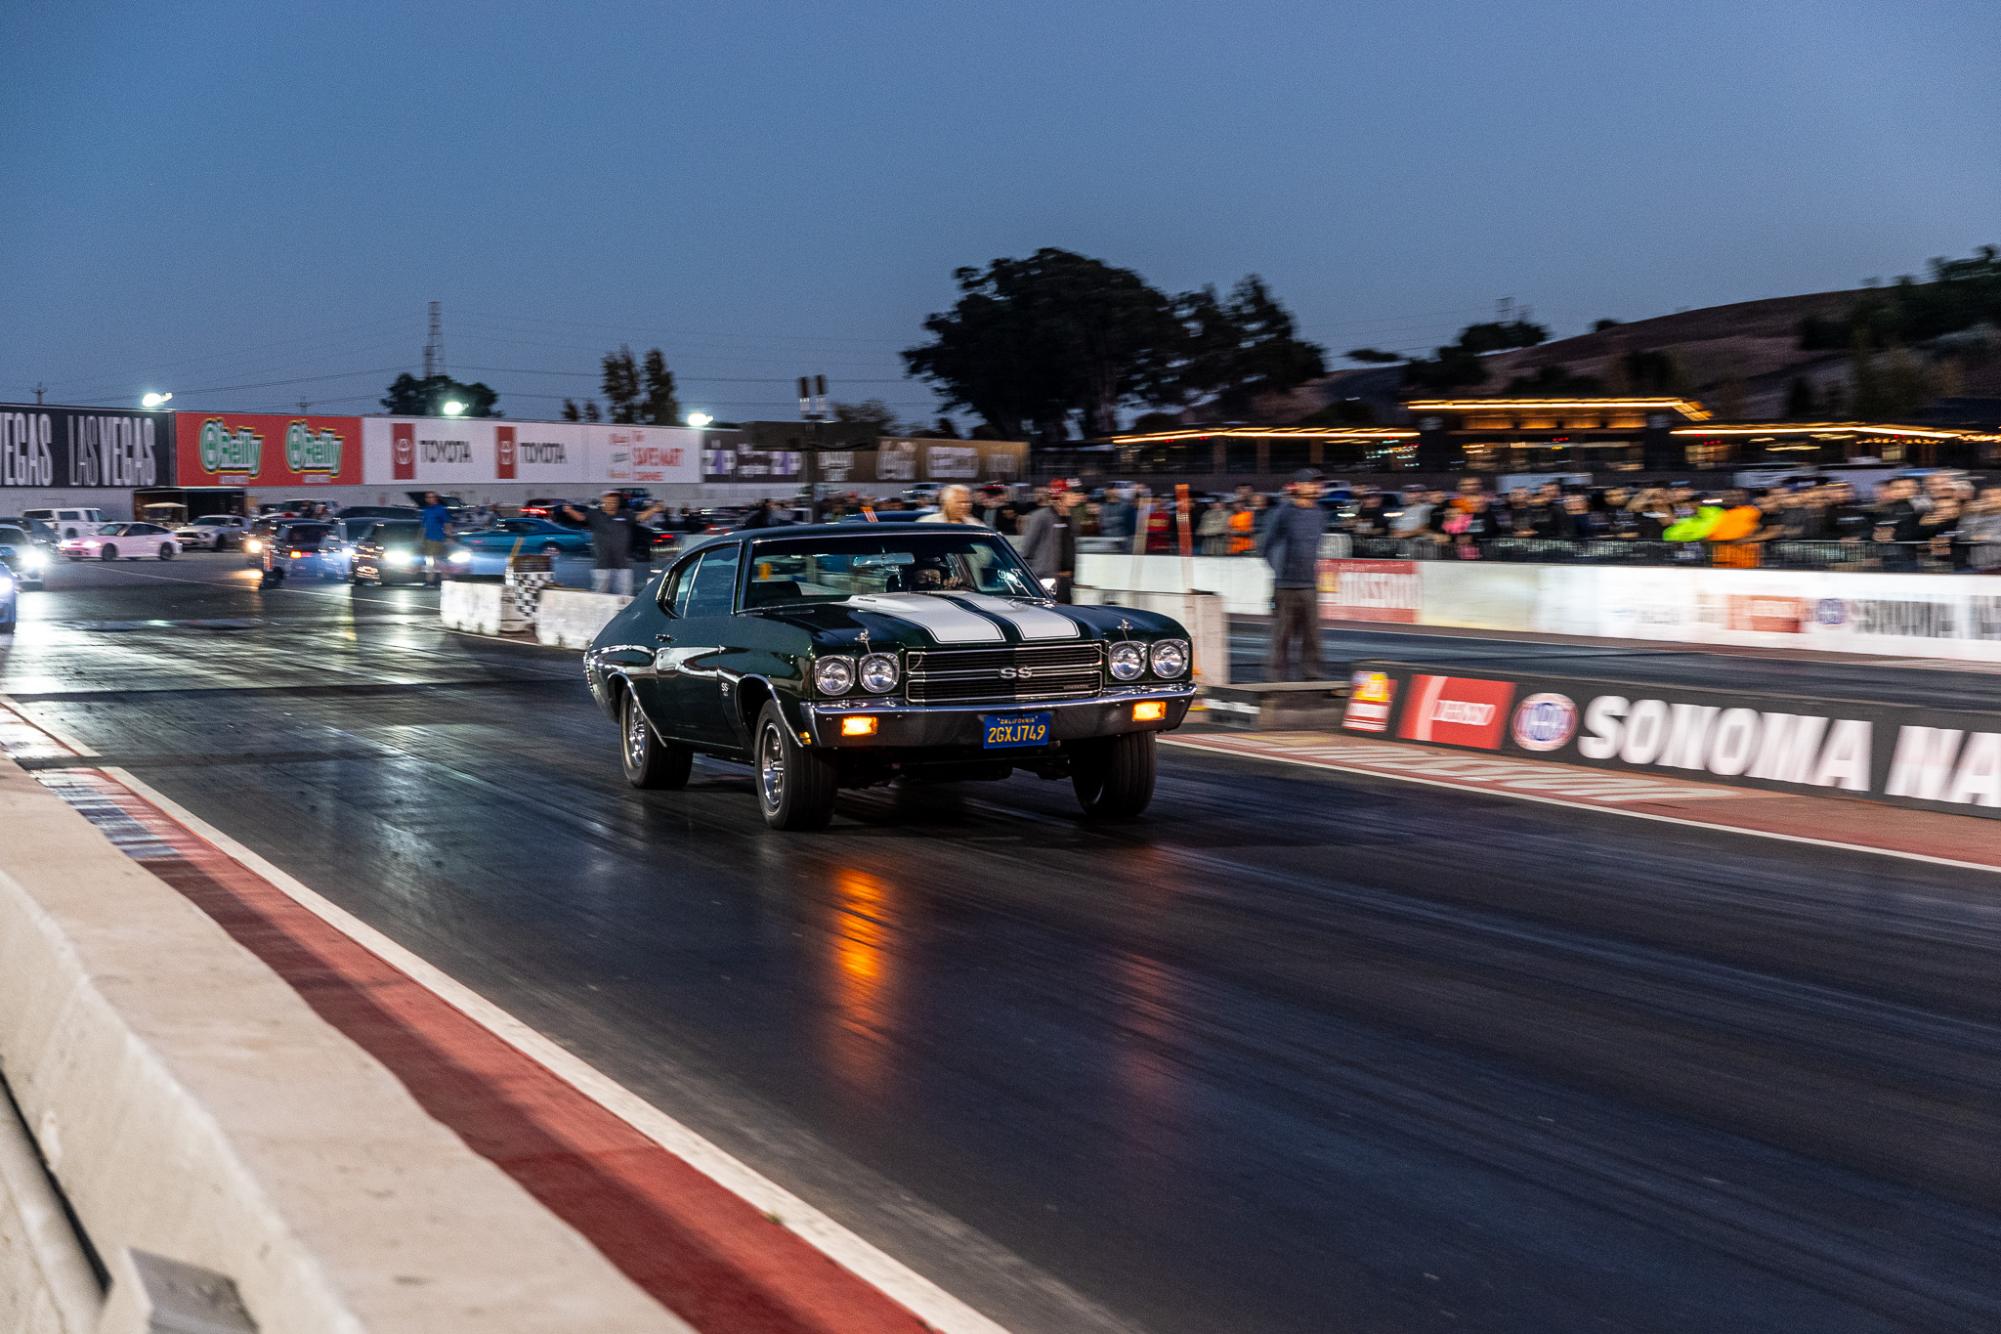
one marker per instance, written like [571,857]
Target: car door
[689,676]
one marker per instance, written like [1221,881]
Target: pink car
[123,541]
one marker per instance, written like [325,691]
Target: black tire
[649,761]
[109,553]
[800,793]
[166,551]
[1114,776]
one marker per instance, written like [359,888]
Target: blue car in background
[536,536]
[10,601]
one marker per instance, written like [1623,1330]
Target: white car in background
[123,541]
[212,532]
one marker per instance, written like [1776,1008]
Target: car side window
[713,587]
[674,588]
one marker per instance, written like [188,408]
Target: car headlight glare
[461,558]
[401,558]
[33,560]
[1128,661]
[252,546]
[1170,658]
[879,672]
[834,676]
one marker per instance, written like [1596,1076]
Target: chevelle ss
[850,655]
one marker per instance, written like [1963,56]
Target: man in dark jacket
[1290,543]
[1049,541]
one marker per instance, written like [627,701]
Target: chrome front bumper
[901,726]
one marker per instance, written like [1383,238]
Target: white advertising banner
[455,451]
[446,451]
[645,455]
[1906,615]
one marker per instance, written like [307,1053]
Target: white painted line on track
[929,1302]
[1621,811]
[50,729]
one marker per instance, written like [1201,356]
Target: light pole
[155,399]
[454,408]
[698,420]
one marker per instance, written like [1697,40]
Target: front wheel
[795,783]
[109,553]
[166,551]
[649,761]
[1114,776]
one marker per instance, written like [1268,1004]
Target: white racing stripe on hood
[944,620]
[1032,621]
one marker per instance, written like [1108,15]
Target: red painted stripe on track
[701,1251]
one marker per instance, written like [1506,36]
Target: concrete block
[571,618]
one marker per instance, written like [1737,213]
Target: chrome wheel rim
[635,735]
[771,767]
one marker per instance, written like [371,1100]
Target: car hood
[965,620]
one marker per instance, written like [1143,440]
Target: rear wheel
[795,782]
[1114,776]
[649,761]
[109,553]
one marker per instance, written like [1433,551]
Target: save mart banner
[1934,759]
[266,450]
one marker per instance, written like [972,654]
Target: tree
[1799,399]
[1601,325]
[414,396]
[571,413]
[1032,343]
[870,412]
[620,383]
[659,405]
[1236,350]
[1373,355]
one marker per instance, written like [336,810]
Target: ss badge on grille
[1016,673]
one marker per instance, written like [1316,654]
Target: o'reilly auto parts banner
[48,448]
[266,450]
[1929,758]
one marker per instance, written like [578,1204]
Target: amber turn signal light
[1149,711]
[858,725]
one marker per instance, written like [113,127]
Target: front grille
[974,676]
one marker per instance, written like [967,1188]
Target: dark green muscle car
[845,656]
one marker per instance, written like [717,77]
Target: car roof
[852,529]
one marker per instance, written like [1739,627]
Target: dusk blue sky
[208,195]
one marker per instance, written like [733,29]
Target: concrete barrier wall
[483,608]
[569,618]
[190,1104]
[1955,616]
[1244,583]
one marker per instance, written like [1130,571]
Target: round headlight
[878,672]
[834,676]
[1128,660]
[1170,658]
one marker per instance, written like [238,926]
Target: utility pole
[39,390]
[434,342]
[812,407]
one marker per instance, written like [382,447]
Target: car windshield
[305,532]
[828,568]
[397,534]
[13,537]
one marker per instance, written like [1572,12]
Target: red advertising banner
[403,451]
[503,453]
[1370,590]
[1456,711]
[266,450]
